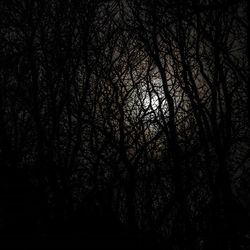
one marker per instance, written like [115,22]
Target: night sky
[125,124]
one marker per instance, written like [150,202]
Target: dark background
[124,124]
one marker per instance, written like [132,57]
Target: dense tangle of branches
[138,107]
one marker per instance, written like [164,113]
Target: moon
[151,101]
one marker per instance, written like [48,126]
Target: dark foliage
[125,124]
